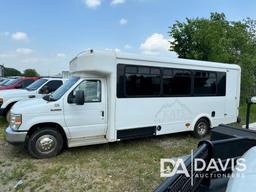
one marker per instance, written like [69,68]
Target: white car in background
[37,89]
[244,180]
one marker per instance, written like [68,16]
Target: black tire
[45,143]
[202,128]
[8,115]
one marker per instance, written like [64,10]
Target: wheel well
[55,126]
[206,118]
[9,106]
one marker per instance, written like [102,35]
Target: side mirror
[79,97]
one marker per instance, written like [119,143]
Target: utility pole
[2,70]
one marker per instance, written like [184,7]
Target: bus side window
[177,82]
[92,90]
[205,83]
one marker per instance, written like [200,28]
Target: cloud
[155,44]
[116,2]
[30,60]
[92,3]
[24,51]
[20,36]
[7,55]
[127,46]
[123,21]
[61,55]
[116,49]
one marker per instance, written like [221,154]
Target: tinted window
[146,82]
[177,82]
[53,85]
[121,81]
[27,82]
[205,83]
[167,82]
[221,84]
[131,69]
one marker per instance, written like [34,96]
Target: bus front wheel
[45,143]
[8,116]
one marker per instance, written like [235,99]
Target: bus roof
[118,55]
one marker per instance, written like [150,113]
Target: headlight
[15,121]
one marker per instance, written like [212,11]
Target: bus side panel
[172,114]
[232,96]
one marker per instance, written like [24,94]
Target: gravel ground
[123,166]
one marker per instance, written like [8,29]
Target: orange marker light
[18,120]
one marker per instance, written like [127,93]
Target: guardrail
[234,143]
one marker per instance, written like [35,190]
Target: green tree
[30,73]
[217,39]
[11,72]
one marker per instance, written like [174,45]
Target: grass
[242,113]
[122,166]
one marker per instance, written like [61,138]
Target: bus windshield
[56,95]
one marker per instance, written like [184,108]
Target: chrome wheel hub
[202,128]
[46,143]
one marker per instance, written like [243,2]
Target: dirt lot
[123,166]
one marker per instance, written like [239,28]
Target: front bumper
[15,137]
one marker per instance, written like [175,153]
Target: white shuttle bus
[114,96]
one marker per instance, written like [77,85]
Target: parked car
[3,81]
[37,89]
[118,96]
[18,83]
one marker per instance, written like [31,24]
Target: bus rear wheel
[202,128]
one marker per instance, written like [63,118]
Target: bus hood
[34,106]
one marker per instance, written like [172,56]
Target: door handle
[102,114]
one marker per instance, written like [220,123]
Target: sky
[47,34]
